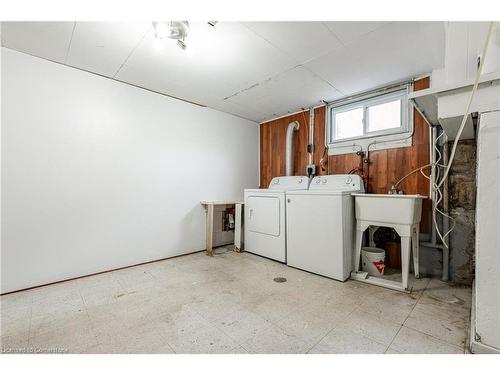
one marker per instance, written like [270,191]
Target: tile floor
[230,304]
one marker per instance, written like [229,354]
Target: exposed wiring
[466,114]
[438,180]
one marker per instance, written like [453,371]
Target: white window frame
[380,139]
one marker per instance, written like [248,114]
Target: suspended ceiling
[255,70]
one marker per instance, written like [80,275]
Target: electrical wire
[466,114]
[436,186]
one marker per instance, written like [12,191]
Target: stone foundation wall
[462,190]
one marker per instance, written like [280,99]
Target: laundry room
[246,185]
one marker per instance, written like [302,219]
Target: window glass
[349,123]
[384,116]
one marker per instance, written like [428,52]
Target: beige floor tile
[136,339]
[390,305]
[241,325]
[72,336]
[378,329]
[58,320]
[16,344]
[307,326]
[344,341]
[205,339]
[439,322]
[275,341]
[66,302]
[334,308]
[179,319]
[229,303]
[410,341]
[16,301]
[447,292]
[14,334]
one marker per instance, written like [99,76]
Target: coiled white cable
[474,89]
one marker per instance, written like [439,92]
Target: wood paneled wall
[385,166]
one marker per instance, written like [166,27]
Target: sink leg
[357,256]
[405,260]
[416,250]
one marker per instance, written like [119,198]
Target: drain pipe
[292,127]
[433,180]
[310,147]
[446,220]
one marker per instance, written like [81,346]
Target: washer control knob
[348,180]
[318,180]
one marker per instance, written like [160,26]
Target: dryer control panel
[338,182]
[289,183]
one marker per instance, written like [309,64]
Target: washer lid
[287,183]
[337,182]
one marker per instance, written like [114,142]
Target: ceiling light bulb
[162,30]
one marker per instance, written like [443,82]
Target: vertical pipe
[433,137]
[446,220]
[311,134]
[289,147]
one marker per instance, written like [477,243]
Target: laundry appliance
[265,228]
[320,225]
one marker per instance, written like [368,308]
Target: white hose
[464,119]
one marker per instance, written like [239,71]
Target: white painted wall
[487,282]
[97,174]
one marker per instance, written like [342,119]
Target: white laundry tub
[388,208]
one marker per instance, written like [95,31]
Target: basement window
[380,120]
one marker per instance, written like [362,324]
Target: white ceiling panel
[398,51]
[102,47]
[301,40]
[254,114]
[49,40]
[218,62]
[296,82]
[256,70]
[288,92]
[349,31]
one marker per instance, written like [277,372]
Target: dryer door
[263,214]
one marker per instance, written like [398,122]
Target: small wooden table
[209,208]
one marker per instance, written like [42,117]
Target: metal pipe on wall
[311,134]
[433,179]
[446,220]
[292,127]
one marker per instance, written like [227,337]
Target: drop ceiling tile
[102,47]
[218,62]
[349,31]
[288,92]
[398,51]
[49,40]
[239,110]
[301,40]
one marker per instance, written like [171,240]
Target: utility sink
[389,208]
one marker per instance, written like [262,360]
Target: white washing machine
[265,229]
[321,225]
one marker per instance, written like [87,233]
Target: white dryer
[321,225]
[265,229]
